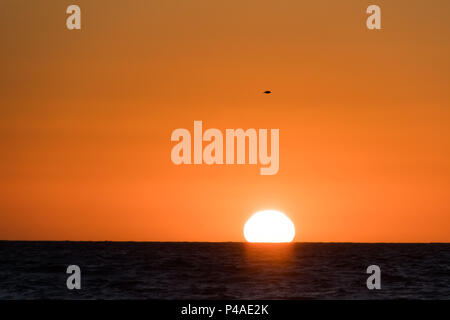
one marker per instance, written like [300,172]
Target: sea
[227,270]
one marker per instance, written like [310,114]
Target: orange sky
[86,118]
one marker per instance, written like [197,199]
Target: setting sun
[269,226]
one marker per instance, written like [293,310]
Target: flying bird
[267,92]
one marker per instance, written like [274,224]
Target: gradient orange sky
[86,118]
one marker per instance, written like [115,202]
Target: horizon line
[256,243]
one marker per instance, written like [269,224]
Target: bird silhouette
[267,92]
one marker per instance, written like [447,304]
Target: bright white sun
[269,226]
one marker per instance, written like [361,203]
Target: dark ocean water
[112,270]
